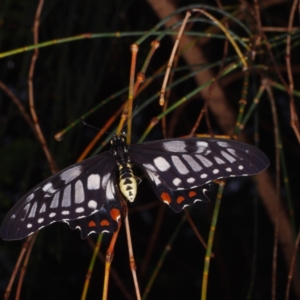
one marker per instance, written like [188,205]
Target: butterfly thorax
[127,182]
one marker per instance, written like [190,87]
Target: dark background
[70,79]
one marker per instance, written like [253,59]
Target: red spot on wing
[92,224]
[104,223]
[165,197]
[115,214]
[180,199]
[192,194]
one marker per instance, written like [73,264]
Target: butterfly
[86,195]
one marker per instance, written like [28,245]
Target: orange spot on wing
[104,223]
[192,194]
[165,197]
[115,214]
[180,199]
[92,224]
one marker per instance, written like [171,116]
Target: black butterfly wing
[174,165]
[85,195]
[73,193]
[104,220]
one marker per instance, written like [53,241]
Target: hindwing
[104,220]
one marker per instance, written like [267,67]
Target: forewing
[75,192]
[184,164]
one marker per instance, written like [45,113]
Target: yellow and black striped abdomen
[128,185]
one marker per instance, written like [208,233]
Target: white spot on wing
[215,171]
[240,167]
[201,146]
[228,169]
[49,188]
[92,204]
[228,157]
[40,220]
[29,225]
[30,197]
[70,174]
[232,151]
[105,179]
[203,175]
[176,181]
[154,177]
[179,165]
[219,160]
[53,214]
[93,182]
[54,203]
[79,192]
[77,227]
[174,146]
[161,163]
[26,208]
[197,200]
[33,210]
[66,200]
[110,190]
[207,163]
[65,212]
[43,208]
[150,167]
[79,209]
[192,163]
[191,180]
[223,144]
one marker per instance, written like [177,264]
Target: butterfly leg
[138,180]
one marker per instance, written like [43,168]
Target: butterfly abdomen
[127,181]
[127,184]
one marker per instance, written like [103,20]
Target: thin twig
[292,268]
[197,233]
[280,29]
[169,66]
[34,57]
[277,163]
[204,110]
[19,105]
[131,259]
[294,117]
[113,272]
[25,263]
[16,268]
